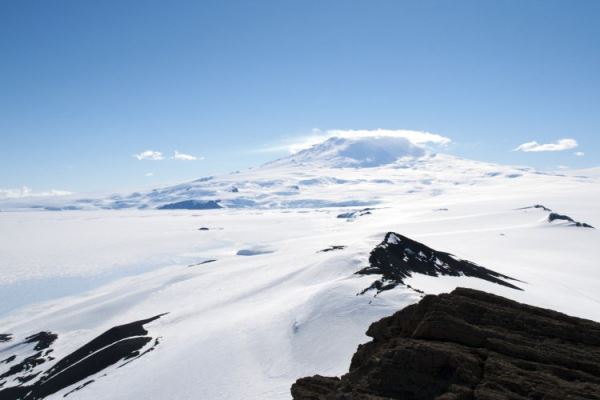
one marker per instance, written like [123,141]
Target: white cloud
[185,157]
[559,145]
[149,174]
[317,136]
[149,155]
[579,153]
[25,191]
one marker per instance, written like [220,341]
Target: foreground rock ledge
[469,345]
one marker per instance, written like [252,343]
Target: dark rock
[203,229]
[192,205]
[5,337]
[352,215]
[23,371]
[203,262]
[42,340]
[120,343]
[332,248]
[556,216]
[469,345]
[537,206]
[398,257]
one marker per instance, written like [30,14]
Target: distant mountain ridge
[366,169]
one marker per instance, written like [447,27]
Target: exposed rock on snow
[203,262]
[556,217]
[5,337]
[123,343]
[21,367]
[536,206]
[398,257]
[332,248]
[559,217]
[191,205]
[352,215]
[469,345]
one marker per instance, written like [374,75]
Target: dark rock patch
[398,257]
[352,215]
[203,229]
[555,216]
[23,371]
[8,360]
[5,337]
[192,205]
[536,206]
[469,345]
[203,262]
[120,343]
[332,248]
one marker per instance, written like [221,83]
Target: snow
[393,239]
[248,326]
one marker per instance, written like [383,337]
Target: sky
[109,95]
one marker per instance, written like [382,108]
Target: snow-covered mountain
[234,286]
[368,171]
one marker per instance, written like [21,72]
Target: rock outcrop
[560,217]
[25,378]
[398,257]
[469,345]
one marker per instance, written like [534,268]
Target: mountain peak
[361,152]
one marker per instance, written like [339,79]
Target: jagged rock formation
[123,343]
[560,217]
[469,345]
[398,257]
[554,216]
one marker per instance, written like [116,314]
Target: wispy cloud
[579,153]
[24,191]
[317,136]
[149,155]
[559,145]
[149,174]
[185,157]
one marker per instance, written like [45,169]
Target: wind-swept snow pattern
[248,325]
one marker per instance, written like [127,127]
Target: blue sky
[85,86]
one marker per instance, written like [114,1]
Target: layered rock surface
[469,345]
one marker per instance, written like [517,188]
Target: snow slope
[240,325]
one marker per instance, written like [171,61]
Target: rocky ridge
[469,345]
